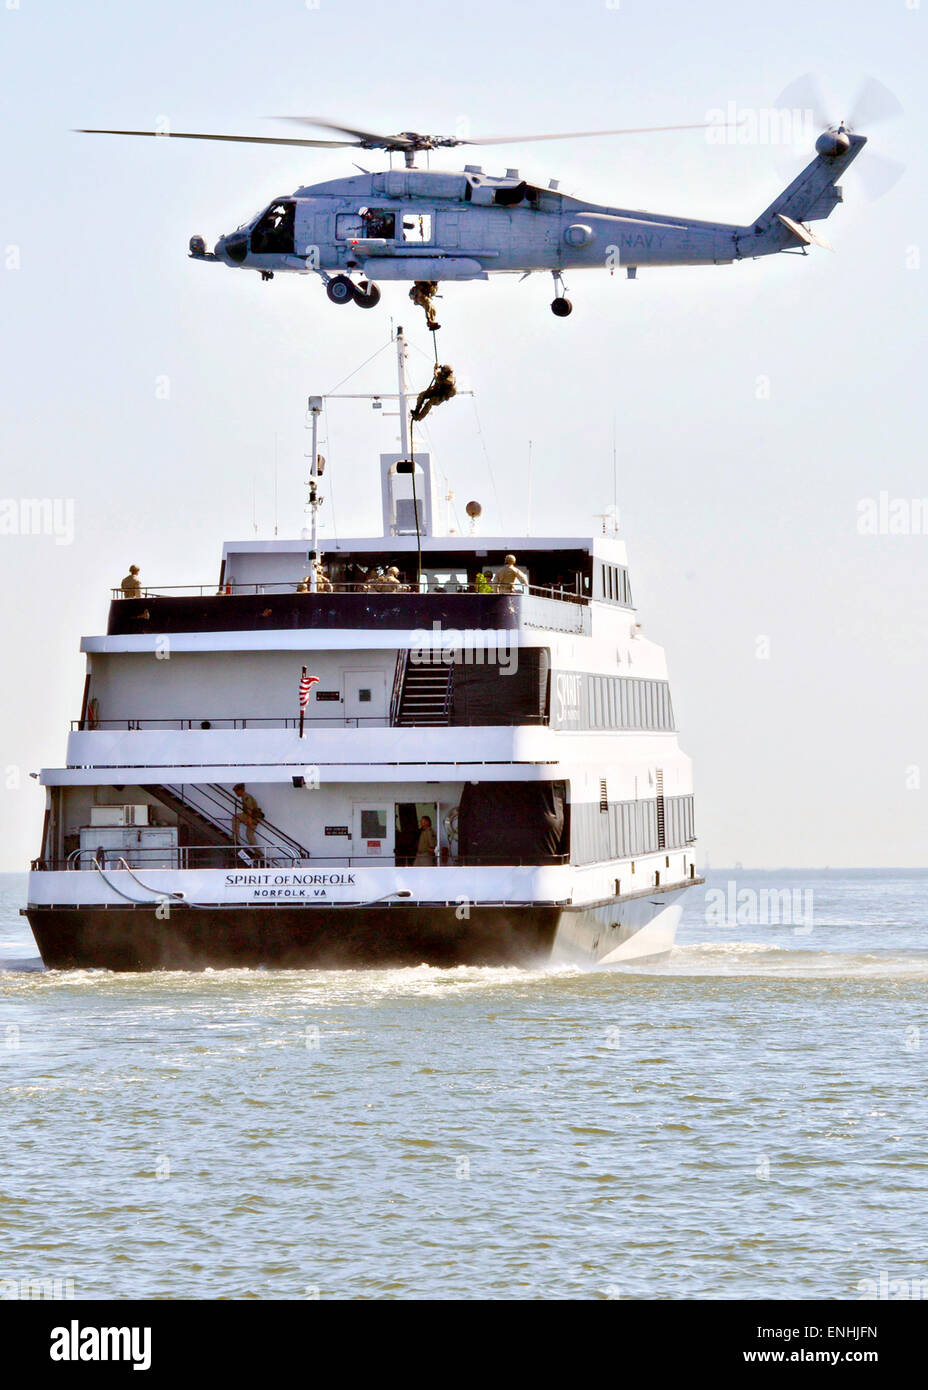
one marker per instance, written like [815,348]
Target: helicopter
[426,226]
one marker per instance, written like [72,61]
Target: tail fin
[811,196]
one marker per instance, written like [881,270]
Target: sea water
[744,1119]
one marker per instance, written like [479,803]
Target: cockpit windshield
[274,231]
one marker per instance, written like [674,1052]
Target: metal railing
[278,586]
[246,857]
[204,725]
[143,724]
[177,857]
[220,808]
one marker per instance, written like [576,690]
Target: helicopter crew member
[441,388]
[422,293]
[131,587]
[508,576]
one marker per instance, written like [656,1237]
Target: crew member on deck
[508,576]
[425,849]
[388,583]
[249,814]
[131,588]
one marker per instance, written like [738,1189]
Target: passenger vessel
[317,762]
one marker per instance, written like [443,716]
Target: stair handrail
[399,682]
[227,801]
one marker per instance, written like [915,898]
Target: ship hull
[327,937]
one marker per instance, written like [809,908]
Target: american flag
[306,685]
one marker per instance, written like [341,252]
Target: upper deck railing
[280,586]
[219,723]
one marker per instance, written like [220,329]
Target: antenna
[615,475]
[528,524]
[275,484]
[315,501]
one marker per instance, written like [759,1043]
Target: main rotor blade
[367,136]
[576,134]
[237,139]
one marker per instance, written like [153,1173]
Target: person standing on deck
[131,588]
[425,850]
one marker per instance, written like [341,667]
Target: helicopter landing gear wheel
[560,305]
[366,295]
[340,290]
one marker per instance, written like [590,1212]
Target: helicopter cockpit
[274,231]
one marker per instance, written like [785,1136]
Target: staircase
[208,812]
[425,696]
[203,830]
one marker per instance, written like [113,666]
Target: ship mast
[315,501]
[403,391]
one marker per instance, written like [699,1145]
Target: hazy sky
[755,406]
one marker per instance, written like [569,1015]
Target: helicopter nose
[232,249]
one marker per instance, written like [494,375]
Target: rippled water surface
[746,1119]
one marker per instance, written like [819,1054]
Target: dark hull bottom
[283,938]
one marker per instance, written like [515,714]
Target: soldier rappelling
[441,388]
[422,293]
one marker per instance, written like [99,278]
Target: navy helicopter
[427,226]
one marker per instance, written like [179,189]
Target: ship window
[418,227]
[364,696]
[373,825]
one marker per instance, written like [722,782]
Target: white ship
[484,772]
